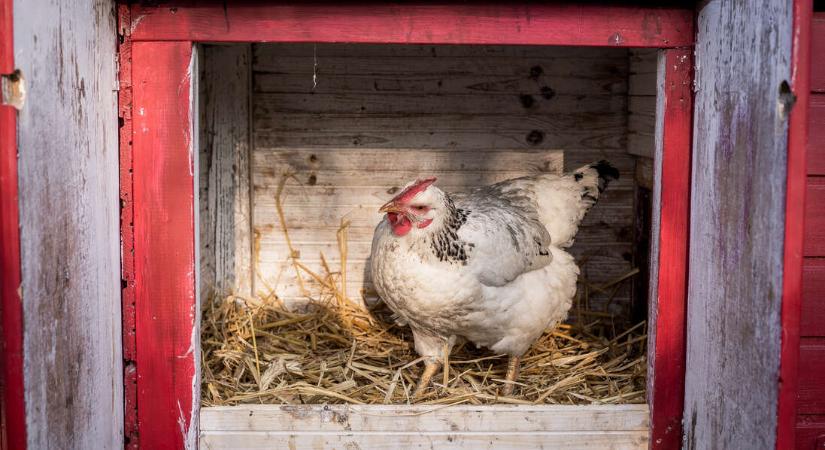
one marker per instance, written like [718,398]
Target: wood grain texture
[811,380]
[737,224]
[641,106]
[815,217]
[225,220]
[379,426]
[380,116]
[167,314]
[818,49]
[491,23]
[68,169]
[579,440]
[12,398]
[810,432]
[667,296]
[816,131]
[131,436]
[813,298]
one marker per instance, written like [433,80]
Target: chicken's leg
[431,366]
[512,373]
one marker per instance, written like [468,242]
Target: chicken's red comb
[413,189]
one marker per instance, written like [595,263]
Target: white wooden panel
[69,223]
[379,426]
[601,440]
[378,116]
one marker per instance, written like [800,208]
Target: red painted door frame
[160,313]
[12,405]
[794,225]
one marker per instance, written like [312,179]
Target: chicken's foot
[431,366]
[513,366]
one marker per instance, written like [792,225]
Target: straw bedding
[333,350]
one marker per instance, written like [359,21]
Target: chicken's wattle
[401,225]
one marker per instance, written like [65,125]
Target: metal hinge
[14,89]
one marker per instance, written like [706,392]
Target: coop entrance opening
[299,146]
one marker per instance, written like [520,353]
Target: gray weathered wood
[641,105]
[385,426]
[69,223]
[375,117]
[225,220]
[743,55]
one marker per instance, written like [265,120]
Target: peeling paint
[135,22]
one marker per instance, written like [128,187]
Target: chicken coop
[257,143]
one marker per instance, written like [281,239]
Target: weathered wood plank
[667,294]
[167,313]
[817,50]
[378,426]
[815,217]
[743,55]
[812,319]
[535,24]
[12,387]
[363,105]
[459,418]
[472,135]
[439,131]
[811,376]
[69,224]
[810,432]
[264,52]
[816,133]
[225,220]
[579,440]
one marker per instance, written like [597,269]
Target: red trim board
[794,225]
[12,404]
[167,341]
[419,23]
[668,364]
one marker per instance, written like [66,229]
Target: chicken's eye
[420,208]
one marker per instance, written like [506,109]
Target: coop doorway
[291,148]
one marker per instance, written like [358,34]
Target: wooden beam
[225,202]
[789,368]
[496,23]
[738,219]
[168,344]
[667,299]
[12,403]
[127,234]
[67,164]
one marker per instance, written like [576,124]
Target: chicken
[488,266]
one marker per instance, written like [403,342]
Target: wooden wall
[740,143]
[68,168]
[810,428]
[352,124]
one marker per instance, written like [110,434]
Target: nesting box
[245,125]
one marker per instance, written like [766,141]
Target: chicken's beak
[390,206]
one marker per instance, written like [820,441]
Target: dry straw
[335,350]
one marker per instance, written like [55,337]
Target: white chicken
[488,265]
